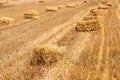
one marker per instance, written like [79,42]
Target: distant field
[59,40]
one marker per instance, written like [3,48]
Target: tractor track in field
[118,41]
[92,53]
[111,47]
[101,48]
[112,58]
[104,68]
[105,64]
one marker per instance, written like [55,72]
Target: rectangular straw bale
[72,5]
[47,54]
[52,8]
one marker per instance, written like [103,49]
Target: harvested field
[69,40]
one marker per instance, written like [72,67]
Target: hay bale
[97,12]
[72,5]
[107,4]
[87,26]
[51,8]
[31,14]
[90,18]
[103,7]
[47,54]
[6,20]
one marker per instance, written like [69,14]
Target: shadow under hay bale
[41,1]
[85,1]
[31,14]
[47,55]
[87,26]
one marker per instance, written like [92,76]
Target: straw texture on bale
[47,54]
[107,4]
[87,26]
[51,8]
[90,18]
[6,20]
[97,12]
[31,14]
[72,5]
[103,7]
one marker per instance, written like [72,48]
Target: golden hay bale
[31,14]
[87,26]
[103,7]
[97,12]
[6,20]
[72,5]
[47,54]
[90,18]
[51,8]
[108,4]
[60,6]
